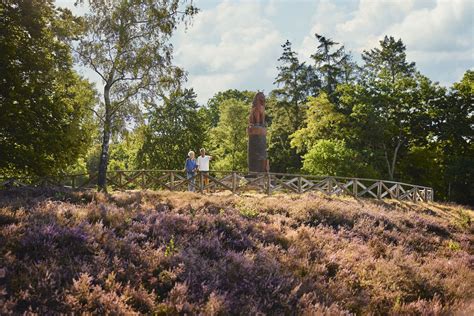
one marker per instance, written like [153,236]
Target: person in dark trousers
[190,167]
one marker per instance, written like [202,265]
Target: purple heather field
[169,253]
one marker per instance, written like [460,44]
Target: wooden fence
[237,182]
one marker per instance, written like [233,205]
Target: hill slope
[169,253]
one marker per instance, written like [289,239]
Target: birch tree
[127,43]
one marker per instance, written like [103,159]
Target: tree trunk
[391,165]
[104,154]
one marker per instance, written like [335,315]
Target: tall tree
[332,64]
[295,82]
[323,121]
[455,136]
[391,86]
[173,129]
[229,138]
[127,43]
[45,123]
[325,141]
[331,157]
[387,62]
[214,103]
[283,157]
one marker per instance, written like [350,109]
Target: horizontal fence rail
[236,182]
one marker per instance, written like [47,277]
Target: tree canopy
[228,140]
[127,43]
[45,123]
[172,130]
[380,118]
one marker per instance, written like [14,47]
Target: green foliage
[46,119]
[246,210]
[124,153]
[173,129]
[127,44]
[454,133]
[332,64]
[388,107]
[249,213]
[388,85]
[322,121]
[453,245]
[418,165]
[322,142]
[463,219]
[333,158]
[283,157]
[170,247]
[213,103]
[295,82]
[383,119]
[228,139]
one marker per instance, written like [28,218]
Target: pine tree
[329,61]
[392,87]
[295,82]
[387,62]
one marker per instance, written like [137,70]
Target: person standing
[190,167]
[203,165]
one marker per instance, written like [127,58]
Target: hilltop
[173,253]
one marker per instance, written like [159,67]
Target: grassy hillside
[170,253]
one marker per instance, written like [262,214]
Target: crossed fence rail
[236,182]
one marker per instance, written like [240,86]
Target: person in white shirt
[203,165]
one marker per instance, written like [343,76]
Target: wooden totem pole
[257,132]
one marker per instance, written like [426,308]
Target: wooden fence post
[172,180]
[201,182]
[269,190]
[234,182]
[118,179]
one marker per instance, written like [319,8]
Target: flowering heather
[170,253]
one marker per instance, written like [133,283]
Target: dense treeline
[380,118]
[45,124]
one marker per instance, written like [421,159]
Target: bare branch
[100,117]
[91,62]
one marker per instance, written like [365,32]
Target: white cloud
[235,45]
[438,34]
[215,82]
[70,4]
[227,46]
[442,28]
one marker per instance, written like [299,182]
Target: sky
[236,44]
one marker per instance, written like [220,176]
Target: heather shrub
[85,297]
[463,219]
[169,253]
